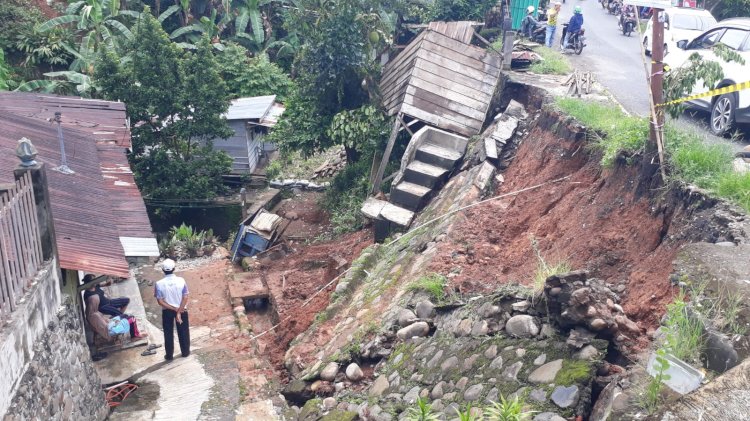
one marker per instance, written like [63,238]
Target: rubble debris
[579,83]
[331,166]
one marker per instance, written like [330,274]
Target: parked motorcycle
[539,34]
[627,22]
[576,41]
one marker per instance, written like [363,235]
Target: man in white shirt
[171,293]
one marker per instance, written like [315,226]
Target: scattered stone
[488,310]
[546,373]
[354,373]
[480,328]
[424,393]
[520,352]
[580,337]
[417,329]
[412,395]
[522,326]
[548,416]
[463,328]
[565,397]
[598,325]
[449,364]
[406,317]
[379,386]
[449,396]
[338,386]
[492,395]
[329,403]
[497,363]
[720,354]
[547,331]
[425,309]
[461,383]
[435,359]
[469,362]
[539,395]
[512,371]
[491,351]
[437,391]
[438,405]
[316,385]
[521,306]
[473,392]
[329,372]
[515,109]
[540,359]
[588,352]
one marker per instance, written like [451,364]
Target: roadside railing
[20,242]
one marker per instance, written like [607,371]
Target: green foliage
[684,331]
[300,128]
[247,76]
[735,187]
[725,9]
[545,269]
[49,49]
[455,10]
[16,17]
[613,131]
[362,129]
[681,82]
[552,63]
[4,72]
[507,410]
[651,397]
[184,241]
[273,170]
[433,284]
[470,414]
[732,304]
[422,411]
[175,102]
[345,196]
[572,372]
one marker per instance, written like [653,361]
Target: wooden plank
[437,121]
[38,259]
[25,220]
[477,57]
[434,86]
[396,91]
[391,79]
[431,108]
[386,156]
[447,81]
[15,240]
[457,77]
[5,287]
[7,244]
[442,102]
[397,64]
[456,66]
[24,237]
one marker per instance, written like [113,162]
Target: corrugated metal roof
[252,108]
[140,247]
[98,204]
[273,115]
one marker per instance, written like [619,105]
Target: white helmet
[530,9]
[168,265]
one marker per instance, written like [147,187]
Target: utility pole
[657,77]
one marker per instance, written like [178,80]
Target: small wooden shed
[250,118]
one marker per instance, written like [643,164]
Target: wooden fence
[20,243]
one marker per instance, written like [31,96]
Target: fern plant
[421,412]
[507,410]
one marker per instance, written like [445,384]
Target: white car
[679,23]
[729,109]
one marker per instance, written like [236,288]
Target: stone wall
[45,366]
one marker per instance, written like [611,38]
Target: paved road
[616,62]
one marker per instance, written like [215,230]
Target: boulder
[379,386]
[565,396]
[329,372]
[406,317]
[522,326]
[425,309]
[354,373]
[588,352]
[720,353]
[473,392]
[417,329]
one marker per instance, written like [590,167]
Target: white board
[656,4]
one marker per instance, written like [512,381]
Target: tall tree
[175,104]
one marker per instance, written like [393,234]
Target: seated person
[529,23]
[108,306]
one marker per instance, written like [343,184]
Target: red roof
[98,204]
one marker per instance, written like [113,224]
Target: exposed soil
[593,220]
[308,220]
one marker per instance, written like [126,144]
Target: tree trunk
[352,155]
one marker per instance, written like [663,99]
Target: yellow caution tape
[713,92]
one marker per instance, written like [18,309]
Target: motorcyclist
[574,25]
[529,23]
[624,13]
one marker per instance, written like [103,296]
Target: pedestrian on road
[552,23]
[171,293]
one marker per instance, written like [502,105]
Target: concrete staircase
[430,158]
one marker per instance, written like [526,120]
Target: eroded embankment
[485,338]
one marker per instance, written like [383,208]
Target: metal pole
[63,168]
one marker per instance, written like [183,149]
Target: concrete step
[437,155]
[397,215]
[409,195]
[424,174]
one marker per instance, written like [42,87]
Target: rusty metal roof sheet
[442,81]
[99,205]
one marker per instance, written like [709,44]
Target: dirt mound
[595,221]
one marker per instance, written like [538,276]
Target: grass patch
[433,284]
[684,332]
[545,269]
[552,63]
[613,131]
[573,372]
[507,410]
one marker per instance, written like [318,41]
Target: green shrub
[343,199]
[684,331]
[422,411]
[552,63]
[507,410]
[184,241]
[433,284]
[572,372]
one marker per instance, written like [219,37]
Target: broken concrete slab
[398,215]
[505,128]
[372,207]
[490,149]
[409,195]
[246,286]
[484,176]
[515,109]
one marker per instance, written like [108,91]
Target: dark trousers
[183,332]
[112,308]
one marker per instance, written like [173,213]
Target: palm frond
[60,20]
